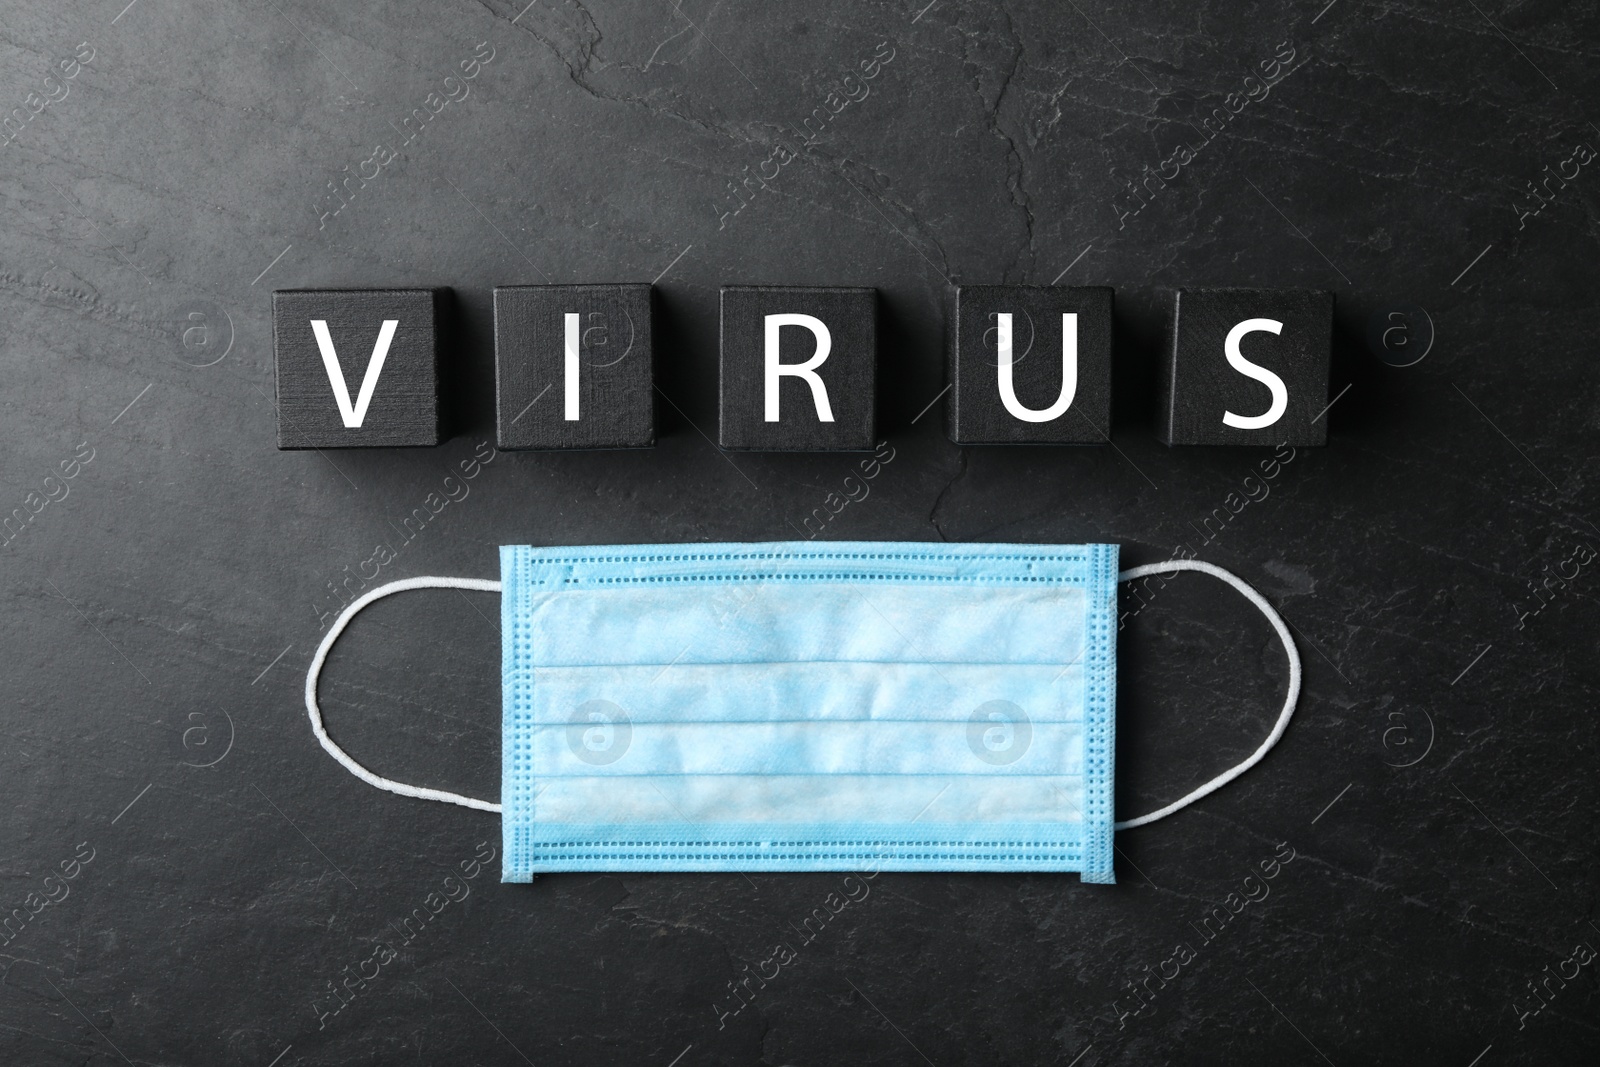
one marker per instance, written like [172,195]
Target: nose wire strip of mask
[422,792]
[488,586]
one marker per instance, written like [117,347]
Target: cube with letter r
[356,368]
[798,369]
[1247,367]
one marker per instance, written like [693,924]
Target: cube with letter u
[1030,365]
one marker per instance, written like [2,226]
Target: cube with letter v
[385,341]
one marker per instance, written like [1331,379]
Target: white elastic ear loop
[1288,703]
[481,584]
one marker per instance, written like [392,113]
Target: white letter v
[330,360]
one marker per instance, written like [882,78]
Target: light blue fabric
[796,706]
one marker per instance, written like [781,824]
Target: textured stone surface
[163,598]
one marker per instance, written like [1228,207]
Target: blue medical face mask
[798,706]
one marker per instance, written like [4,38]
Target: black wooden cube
[1247,367]
[573,366]
[776,395]
[1030,364]
[357,368]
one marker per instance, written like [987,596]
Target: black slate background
[161,615]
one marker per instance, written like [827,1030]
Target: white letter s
[1236,360]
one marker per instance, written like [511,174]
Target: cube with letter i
[356,368]
[1247,367]
[574,366]
[798,369]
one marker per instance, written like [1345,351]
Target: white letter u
[1069,370]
